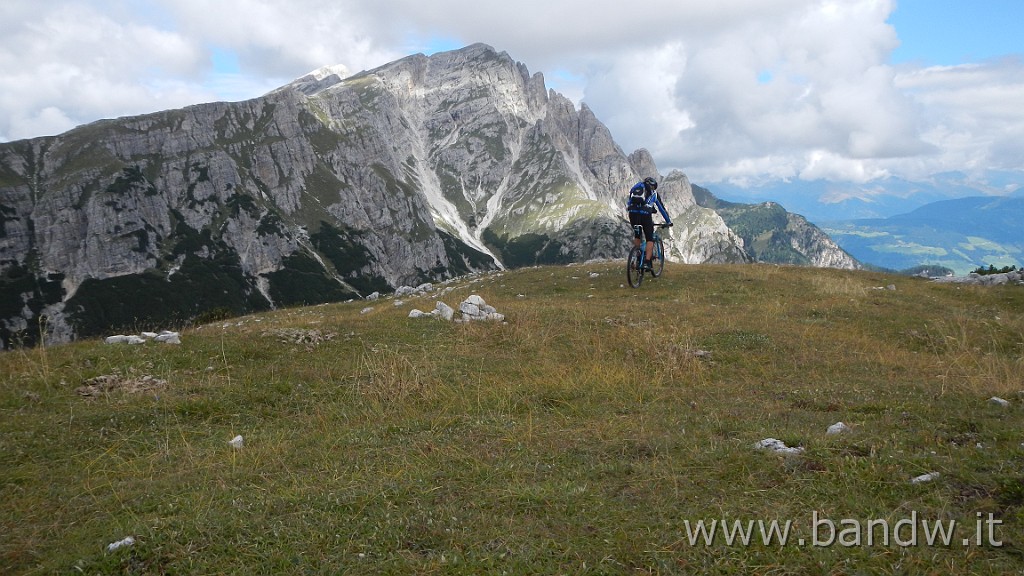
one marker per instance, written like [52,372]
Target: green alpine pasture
[589,433]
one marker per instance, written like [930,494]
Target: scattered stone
[417,291]
[168,337]
[469,308]
[472,308]
[838,428]
[999,401]
[925,478]
[164,336]
[122,543]
[444,311]
[122,339]
[366,310]
[373,296]
[1014,277]
[237,442]
[777,446]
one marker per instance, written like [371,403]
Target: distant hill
[772,234]
[960,234]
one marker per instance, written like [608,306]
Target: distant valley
[902,225]
[961,235]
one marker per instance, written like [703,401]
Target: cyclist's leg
[648,224]
[635,220]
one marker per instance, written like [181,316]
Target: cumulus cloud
[971,113]
[739,90]
[71,63]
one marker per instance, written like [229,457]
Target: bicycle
[635,261]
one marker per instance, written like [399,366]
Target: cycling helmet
[651,182]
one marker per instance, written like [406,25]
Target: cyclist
[643,202]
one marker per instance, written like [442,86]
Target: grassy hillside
[587,434]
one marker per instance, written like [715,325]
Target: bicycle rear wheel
[634,267]
[658,259]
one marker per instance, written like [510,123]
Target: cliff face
[770,234]
[325,189]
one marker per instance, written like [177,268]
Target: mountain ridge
[325,189]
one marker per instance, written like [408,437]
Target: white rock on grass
[164,336]
[469,309]
[122,543]
[122,339]
[838,428]
[168,337]
[777,446]
[444,311]
[925,478]
[998,401]
[237,442]
[472,308]
[417,291]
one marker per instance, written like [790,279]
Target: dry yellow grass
[580,436]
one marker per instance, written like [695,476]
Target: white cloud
[744,90]
[973,116]
[67,63]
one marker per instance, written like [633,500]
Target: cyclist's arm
[661,208]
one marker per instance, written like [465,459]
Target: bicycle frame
[635,270]
[643,245]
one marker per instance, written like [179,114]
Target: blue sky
[950,32]
[746,92]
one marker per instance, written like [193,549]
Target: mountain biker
[643,202]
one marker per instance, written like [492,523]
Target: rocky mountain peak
[331,187]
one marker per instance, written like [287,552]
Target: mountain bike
[635,261]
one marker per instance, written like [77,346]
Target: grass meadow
[594,431]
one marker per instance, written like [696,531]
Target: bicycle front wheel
[635,267]
[658,259]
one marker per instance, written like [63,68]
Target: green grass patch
[588,433]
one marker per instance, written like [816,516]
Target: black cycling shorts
[643,219]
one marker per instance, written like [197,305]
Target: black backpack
[637,198]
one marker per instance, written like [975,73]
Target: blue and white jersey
[650,205]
